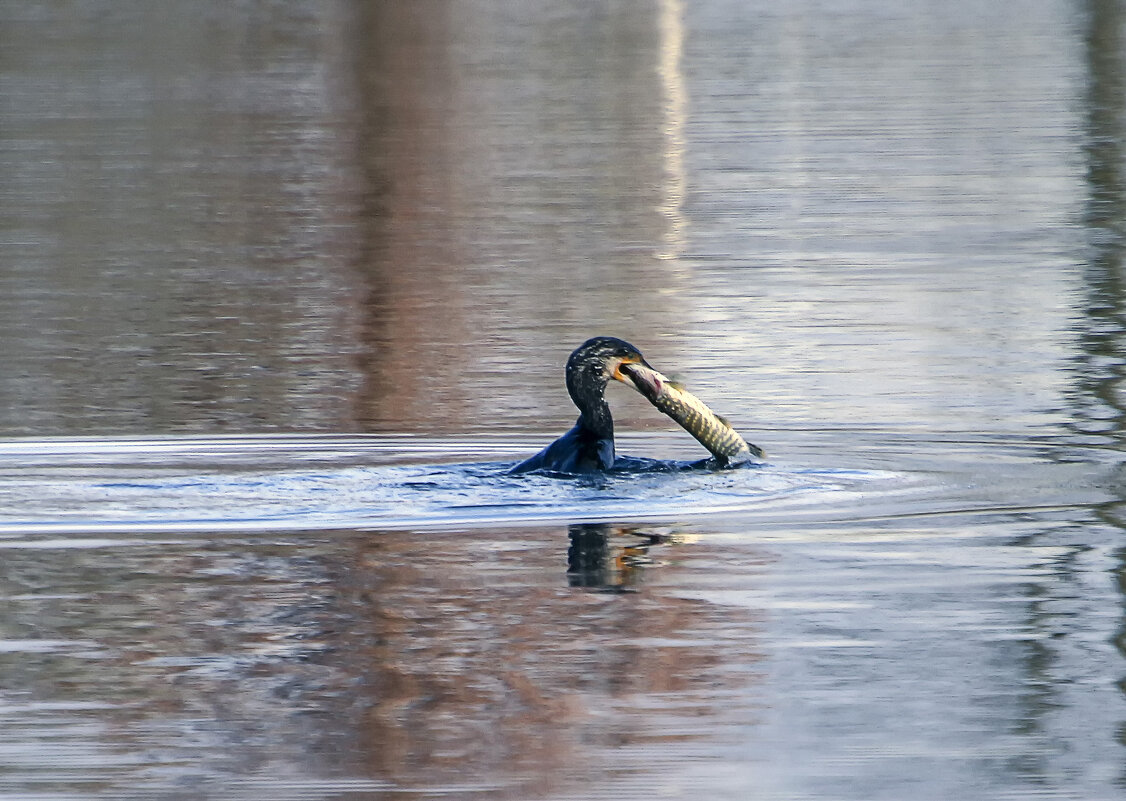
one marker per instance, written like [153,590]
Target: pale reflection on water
[879,239]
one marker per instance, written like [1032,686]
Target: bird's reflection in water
[595,562]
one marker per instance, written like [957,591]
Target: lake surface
[285,288]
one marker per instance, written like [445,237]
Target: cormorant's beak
[620,368]
[641,377]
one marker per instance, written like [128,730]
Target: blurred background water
[284,286]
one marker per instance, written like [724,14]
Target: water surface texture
[286,287]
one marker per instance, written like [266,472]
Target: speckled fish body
[693,415]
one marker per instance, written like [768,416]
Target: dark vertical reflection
[1103,339]
[1101,411]
[408,254]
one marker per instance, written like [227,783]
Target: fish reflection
[594,562]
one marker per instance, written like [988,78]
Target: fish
[693,415]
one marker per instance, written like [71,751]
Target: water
[284,289]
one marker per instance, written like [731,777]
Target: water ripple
[185,485]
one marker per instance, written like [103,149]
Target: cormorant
[589,446]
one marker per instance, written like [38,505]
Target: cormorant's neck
[588,393]
[598,421]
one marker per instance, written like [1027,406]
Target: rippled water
[285,288]
[325,616]
[301,483]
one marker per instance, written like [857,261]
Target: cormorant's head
[595,362]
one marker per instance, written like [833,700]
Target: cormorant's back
[580,450]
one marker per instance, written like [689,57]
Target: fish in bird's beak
[642,377]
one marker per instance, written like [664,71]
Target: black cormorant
[589,446]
